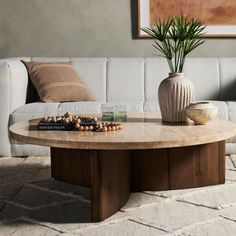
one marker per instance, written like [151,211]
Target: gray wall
[80,28]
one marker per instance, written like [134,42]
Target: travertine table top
[142,131]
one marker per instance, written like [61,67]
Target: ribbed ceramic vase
[175,93]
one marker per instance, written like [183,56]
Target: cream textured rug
[31,203]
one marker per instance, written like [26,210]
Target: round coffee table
[145,155]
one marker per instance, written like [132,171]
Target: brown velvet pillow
[57,82]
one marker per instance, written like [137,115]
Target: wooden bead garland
[108,126]
[83,123]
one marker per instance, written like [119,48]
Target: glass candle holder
[108,112]
[120,113]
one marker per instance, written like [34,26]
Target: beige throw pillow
[57,82]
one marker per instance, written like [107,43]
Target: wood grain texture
[196,166]
[113,174]
[140,132]
[178,168]
[110,181]
[212,12]
[222,162]
[149,170]
[106,172]
[71,166]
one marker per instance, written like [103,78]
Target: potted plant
[175,38]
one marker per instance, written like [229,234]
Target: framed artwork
[219,16]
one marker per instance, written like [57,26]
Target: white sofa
[132,81]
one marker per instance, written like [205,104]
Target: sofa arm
[13,91]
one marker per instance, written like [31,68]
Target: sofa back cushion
[92,72]
[125,79]
[156,69]
[137,79]
[50,59]
[228,78]
[203,72]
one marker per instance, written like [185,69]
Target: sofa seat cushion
[232,117]
[33,111]
[130,106]
[223,112]
[79,107]
[231,105]
[18,149]
[153,106]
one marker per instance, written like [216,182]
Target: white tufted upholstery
[130,81]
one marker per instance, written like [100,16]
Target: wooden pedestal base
[106,172]
[113,174]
